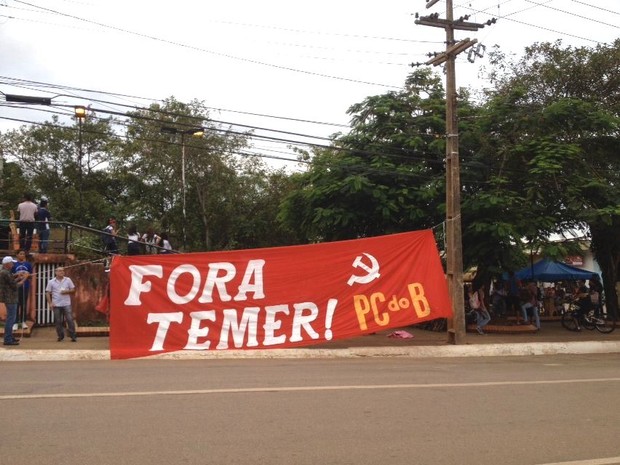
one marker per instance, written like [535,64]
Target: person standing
[498,297]
[133,241]
[152,240]
[23,268]
[166,247]
[9,285]
[58,293]
[27,214]
[43,218]
[513,301]
[109,238]
[476,302]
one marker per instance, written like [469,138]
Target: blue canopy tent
[549,271]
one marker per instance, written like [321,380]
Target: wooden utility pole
[454,242]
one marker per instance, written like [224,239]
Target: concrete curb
[469,350]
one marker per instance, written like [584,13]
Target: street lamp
[80,114]
[194,132]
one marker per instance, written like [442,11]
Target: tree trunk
[607,253]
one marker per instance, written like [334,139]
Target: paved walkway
[505,340]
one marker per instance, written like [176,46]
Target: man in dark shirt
[583,300]
[513,301]
[43,226]
[22,268]
[8,296]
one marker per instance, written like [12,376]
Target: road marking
[607,461]
[301,389]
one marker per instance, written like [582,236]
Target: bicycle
[573,320]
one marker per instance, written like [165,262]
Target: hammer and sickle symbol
[372,271]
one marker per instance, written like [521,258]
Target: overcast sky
[280,59]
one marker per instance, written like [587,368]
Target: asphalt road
[500,410]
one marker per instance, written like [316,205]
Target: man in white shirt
[27,212]
[58,292]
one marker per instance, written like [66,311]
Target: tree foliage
[49,157]
[555,119]
[134,171]
[538,157]
[385,175]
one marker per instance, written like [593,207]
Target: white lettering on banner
[163,320]
[248,324]
[245,329]
[195,331]
[253,270]
[271,324]
[172,280]
[219,281]
[300,321]
[252,282]
[137,285]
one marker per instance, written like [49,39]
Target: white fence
[44,273]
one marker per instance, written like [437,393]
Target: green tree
[553,119]
[256,206]
[388,175]
[48,156]
[385,175]
[229,197]
[13,185]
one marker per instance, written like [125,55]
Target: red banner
[274,297]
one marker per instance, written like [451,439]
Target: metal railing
[69,238]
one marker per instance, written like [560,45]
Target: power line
[161,141]
[199,120]
[24,83]
[191,47]
[406,155]
[572,14]
[606,10]
[283,44]
[336,34]
[543,28]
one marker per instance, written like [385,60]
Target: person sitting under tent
[529,299]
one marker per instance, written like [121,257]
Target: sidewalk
[41,345]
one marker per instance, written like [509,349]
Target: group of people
[509,296]
[525,299]
[33,217]
[15,276]
[137,244]
[589,297]
[151,242]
